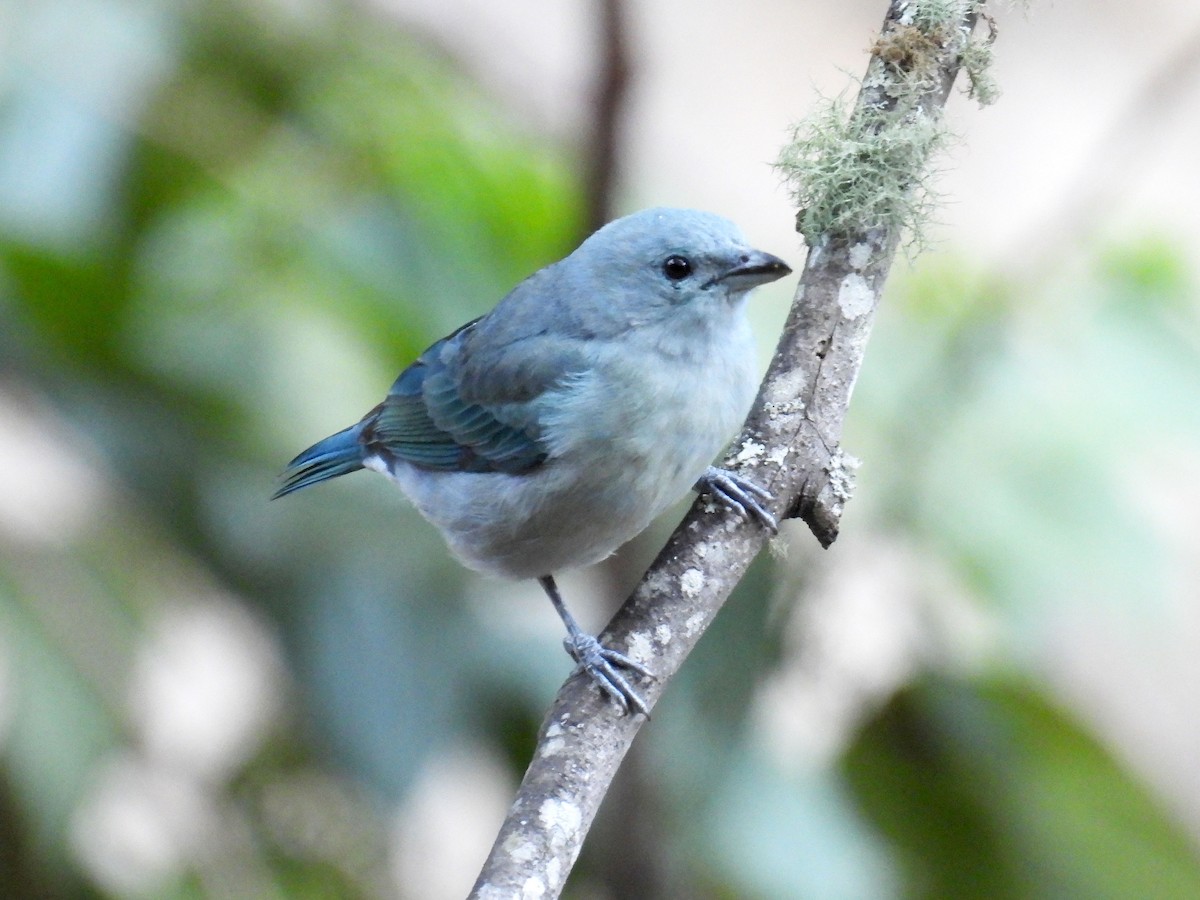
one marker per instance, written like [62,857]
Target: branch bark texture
[790,444]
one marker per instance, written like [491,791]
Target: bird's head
[662,265]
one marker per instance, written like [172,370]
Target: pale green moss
[933,16]
[909,60]
[850,171]
[976,60]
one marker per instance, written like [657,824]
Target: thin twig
[790,444]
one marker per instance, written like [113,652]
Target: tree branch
[790,443]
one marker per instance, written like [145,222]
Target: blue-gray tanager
[550,431]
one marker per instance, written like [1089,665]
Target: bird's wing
[455,409]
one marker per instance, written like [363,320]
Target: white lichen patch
[693,624]
[786,388]
[786,408]
[553,868]
[561,819]
[841,470]
[518,848]
[855,296]
[662,634]
[552,746]
[691,582]
[640,647]
[533,888]
[701,550]
[751,451]
[779,454]
[554,729]
[859,255]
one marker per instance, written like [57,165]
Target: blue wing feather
[426,422]
[463,406]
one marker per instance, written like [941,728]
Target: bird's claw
[740,494]
[602,664]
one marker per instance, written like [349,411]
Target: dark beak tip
[756,268]
[766,264]
[771,261]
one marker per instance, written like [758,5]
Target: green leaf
[990,791]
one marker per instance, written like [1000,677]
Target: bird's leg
[739,493]
[598,661]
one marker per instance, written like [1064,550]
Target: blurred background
[226,225]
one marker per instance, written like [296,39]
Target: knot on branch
[826,488]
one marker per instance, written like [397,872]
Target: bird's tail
[337,455]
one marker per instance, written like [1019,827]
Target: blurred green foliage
[223,229]
[989,790]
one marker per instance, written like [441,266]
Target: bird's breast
[625,438]
[652,419]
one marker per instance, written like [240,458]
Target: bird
[548,432]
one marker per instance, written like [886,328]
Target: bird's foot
[740,494]
[602,666]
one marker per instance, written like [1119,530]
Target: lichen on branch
[851,169]
[869,165]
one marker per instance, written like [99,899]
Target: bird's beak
[752,269]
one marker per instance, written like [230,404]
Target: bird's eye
[677,268]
